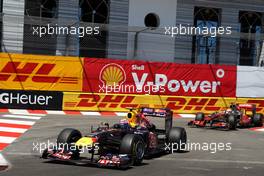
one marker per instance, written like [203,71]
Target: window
[205,47]
[41,8]
[94,12]
[250,40]
[39,13]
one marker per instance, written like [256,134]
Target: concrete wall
[126,17]
[151,45]
[117,35]
[183,44]
[13,26]
[68,15]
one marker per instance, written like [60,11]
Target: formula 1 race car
[122,145]
[238,115]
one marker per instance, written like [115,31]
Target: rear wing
[248,107]
[156,112]
[165,113]
[251,107]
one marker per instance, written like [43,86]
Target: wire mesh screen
[73,37]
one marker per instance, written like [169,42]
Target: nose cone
[85,141]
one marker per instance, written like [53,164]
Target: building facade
[136,29]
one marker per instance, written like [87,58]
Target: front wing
[109,160]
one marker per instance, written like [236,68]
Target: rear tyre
[199,116]
[258,120]
[134,146]
[177,137]
[231,122]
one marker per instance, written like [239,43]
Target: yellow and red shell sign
[158,78]
[32,72]
[179,104]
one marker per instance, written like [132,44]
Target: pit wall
[93,84]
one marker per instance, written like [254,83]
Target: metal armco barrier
[179,104]
[93,84]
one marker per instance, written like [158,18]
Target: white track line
[23,112]
[7,140]
[261,130]
[29,114]
[20,111]
[14,130]
[91,113]
[22,117]
[55,112]
[212,161]
[19,122]
[196,168]
[3,161]
[18,153]
[187,115]
[121,114]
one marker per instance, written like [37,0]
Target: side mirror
[129,115]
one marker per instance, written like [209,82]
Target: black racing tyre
[177,136]
[257,120]
[134,146]
[231,122]
[45,154]
[199,116]
[168,124]
[68,136]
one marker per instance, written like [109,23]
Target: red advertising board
[158,78]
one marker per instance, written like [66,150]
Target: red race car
[238,115]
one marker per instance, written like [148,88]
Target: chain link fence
[72,37]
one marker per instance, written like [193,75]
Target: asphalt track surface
[245,158]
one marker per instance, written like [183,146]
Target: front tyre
[45,154]
[67,138]
[231,122]
[134,146]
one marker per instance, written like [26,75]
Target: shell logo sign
[157,78]
[112,75]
